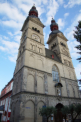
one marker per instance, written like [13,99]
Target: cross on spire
[52,17]
[34,4]
[54,25]
[33,12]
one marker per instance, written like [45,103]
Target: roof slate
[49,54]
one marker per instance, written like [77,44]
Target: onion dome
[54,25]
[33,12]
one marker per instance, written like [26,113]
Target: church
[42,77]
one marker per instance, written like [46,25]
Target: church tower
[42,77]
[27,78]
[32,40]
[58,43]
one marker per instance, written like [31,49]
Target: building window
[62,44]
[1,102]
[55,74]
[52,56]
[35,29]
[9,102]
[11,85]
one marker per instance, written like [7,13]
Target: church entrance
[59,116]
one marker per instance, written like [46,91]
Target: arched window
[55,74]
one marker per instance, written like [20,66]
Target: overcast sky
[67,13]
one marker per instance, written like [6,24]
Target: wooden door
[58,117]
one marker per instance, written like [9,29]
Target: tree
[77,36]
[74,110]
[77,110]
[79,82]
[65,111]
[47,111]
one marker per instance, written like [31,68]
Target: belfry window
[55,74]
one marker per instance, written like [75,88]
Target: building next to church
[42,77]
[5,99]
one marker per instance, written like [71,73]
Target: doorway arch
[59,116]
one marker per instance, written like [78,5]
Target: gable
[52,55]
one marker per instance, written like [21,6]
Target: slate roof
[49,54]
[55,32]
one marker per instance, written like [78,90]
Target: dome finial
[34,4]
[54,25]
[52,17]
[33,12]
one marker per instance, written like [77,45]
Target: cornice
[44,95]
[62,36]
[33,69]
[56,35]
[69,79]
[35,20]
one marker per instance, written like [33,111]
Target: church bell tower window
[55,74]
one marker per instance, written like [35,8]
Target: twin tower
[42,77]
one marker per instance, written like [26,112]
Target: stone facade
[33,79]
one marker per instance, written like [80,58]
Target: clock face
[35,37]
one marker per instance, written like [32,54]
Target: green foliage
[54,110]
[73,109]
[78,108]
[65,110]
[77,36]
[47,111]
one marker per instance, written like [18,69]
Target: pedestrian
[63,119]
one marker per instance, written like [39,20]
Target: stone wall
[25,106]
[32,80]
